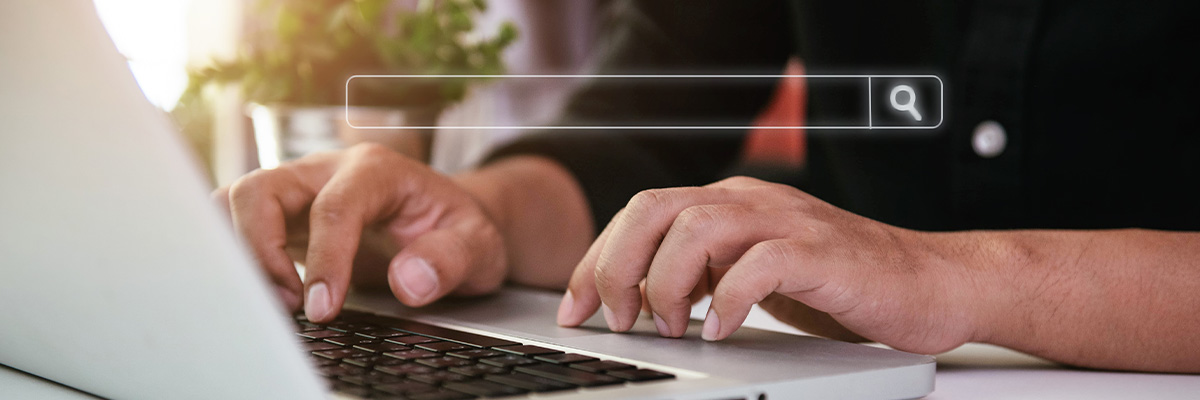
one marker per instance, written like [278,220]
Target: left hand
[819,268]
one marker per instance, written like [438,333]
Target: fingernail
[609,317]
[566,307]
[712,326]
[417,279]
[663,329]
[316,305]
[288,297]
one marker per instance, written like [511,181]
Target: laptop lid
[119,277]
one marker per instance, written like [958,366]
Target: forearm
[1122,299]
[542,213]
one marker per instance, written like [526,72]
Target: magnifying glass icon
[909,106]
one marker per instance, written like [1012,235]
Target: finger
[738,182]
[356,194]
[635,237]
[581,299]
[645,302]
[760,272]
[701,237]
[259,204]
[443,261]
[221,197]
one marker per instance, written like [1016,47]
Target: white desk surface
[973,371]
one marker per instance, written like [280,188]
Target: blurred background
[253,83]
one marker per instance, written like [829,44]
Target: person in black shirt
[1054,212]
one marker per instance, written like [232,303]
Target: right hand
[367,213]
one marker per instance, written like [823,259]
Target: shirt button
[989,139]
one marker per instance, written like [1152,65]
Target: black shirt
[1097,98]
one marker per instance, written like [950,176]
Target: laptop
[121,279]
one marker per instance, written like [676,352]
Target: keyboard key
[478,370]
[527,350]
[351,340]
[438,377]
[319,346]
[322,362]
[381,347]
[347,326]
[351,389]
[411,339]
[361,327]
[439,395]
[322,334]
[639,375]
[485,388]
[530,382]
[601,366]
[476,353]
[443,333]
[387,361]
[442,347]
[372,378]
[382,333]
[307,327]
[340,370]
[566,358]
[404,369]
[338,354]
[444,362]
[368,362]
[508,361]
[568,375]
[405,388]
[412,354]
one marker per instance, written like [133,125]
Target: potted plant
[293,71]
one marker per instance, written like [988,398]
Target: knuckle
[328,207]
[697,220]
[371,150]
[602,274]
[248,187]
[739,180]
[648,204]
[645,201]
[771,252]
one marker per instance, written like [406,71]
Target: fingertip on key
[566,310]
[712,326]
[317,305]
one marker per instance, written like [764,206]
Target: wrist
[977,273]
[995,269]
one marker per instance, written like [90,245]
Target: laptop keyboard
[372,356]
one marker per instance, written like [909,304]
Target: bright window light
[152,35]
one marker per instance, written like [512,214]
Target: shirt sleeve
[661,37]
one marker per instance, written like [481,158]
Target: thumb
[442,261]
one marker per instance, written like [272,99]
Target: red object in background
[780,147]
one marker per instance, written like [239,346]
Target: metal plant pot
[284,133]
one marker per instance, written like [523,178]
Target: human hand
[818,267]
[369,213]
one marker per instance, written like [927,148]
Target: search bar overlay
[636,102]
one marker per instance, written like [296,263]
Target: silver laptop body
[118,277]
